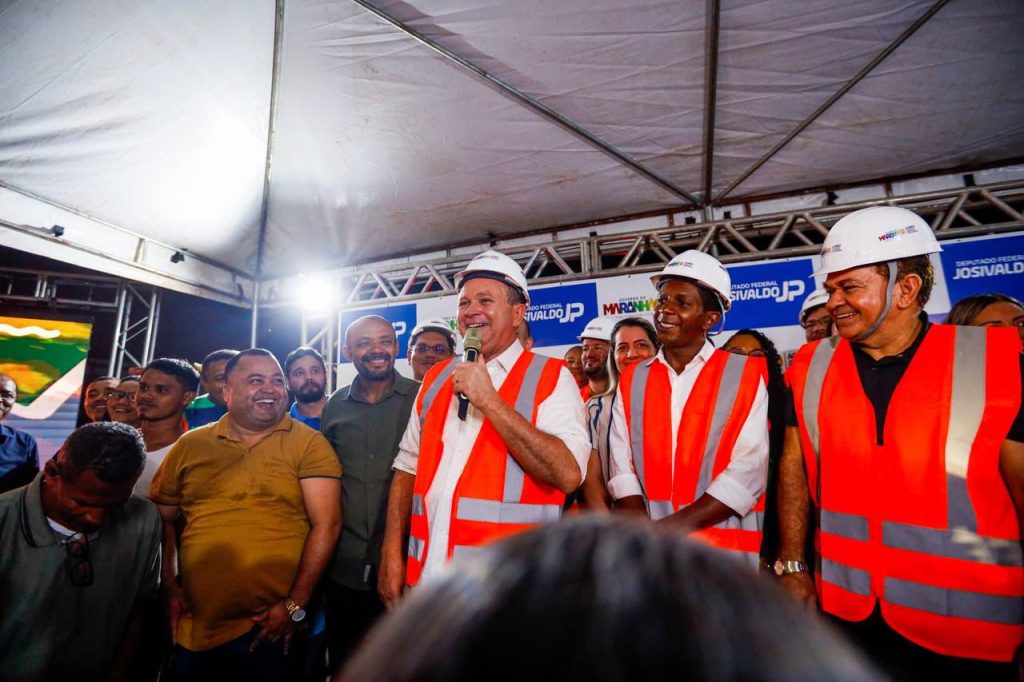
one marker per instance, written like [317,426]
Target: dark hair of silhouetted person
[595,598]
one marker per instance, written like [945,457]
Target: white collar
[702,356]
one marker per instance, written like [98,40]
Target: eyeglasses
[756,353]
[79,565]
[825,322]
[439,348]
[122,395]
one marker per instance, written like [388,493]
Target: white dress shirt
[740,484]
[561,415]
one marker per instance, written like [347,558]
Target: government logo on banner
[558,314]
[401,317]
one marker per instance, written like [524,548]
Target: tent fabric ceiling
[155,116]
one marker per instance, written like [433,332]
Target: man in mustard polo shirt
[260,497]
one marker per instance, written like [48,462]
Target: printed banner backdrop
[985,265]
[767,295]
[46,359]
[557,314]
[402,318]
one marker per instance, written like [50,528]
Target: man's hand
[472,380]
[275,624]
[800,586]
[390,580]
[174,599]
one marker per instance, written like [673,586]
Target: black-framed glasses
[79,564]
[122,395]
[438,348]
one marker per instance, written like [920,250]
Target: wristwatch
[297,613]
[782,568]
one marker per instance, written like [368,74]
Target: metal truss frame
[136,307]
[320,331]
[969,211]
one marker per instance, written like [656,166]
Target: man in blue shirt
[307,380]
[19,456]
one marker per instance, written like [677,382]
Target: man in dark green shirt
[364,423]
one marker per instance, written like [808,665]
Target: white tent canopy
[267,140]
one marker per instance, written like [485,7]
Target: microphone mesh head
[472,339]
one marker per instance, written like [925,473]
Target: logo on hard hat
[835,248]
[897,233]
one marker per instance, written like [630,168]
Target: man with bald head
[364,422]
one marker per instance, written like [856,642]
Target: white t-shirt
[561,415]
[154,458]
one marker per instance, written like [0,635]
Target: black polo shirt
[879,379]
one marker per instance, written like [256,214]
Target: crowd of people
[878,481]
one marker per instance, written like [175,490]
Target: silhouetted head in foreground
[601,599]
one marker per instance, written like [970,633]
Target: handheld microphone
[471,346]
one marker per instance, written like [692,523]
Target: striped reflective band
[417,505]
[471,509]
[820,361]
[462,552]
[849,526]
[659,509]
[637,389]
[442,377]
[966,408]
[527,398]
[728,388]
[958,543]
[955,603]
[850,579]
[528,389]
[416,546]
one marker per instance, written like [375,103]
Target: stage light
[315,293]
[177,257]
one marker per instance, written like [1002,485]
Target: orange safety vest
[713,416]
[924,523]
[494,497]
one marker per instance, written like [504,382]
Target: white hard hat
[495,266]
[817,297]
[435,325]
[599,328]
[879,234]
[703,269]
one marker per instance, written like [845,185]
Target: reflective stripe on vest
[514,474]
[417,545]
[435,387]
[960,539]
[470,509]
[636,408]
